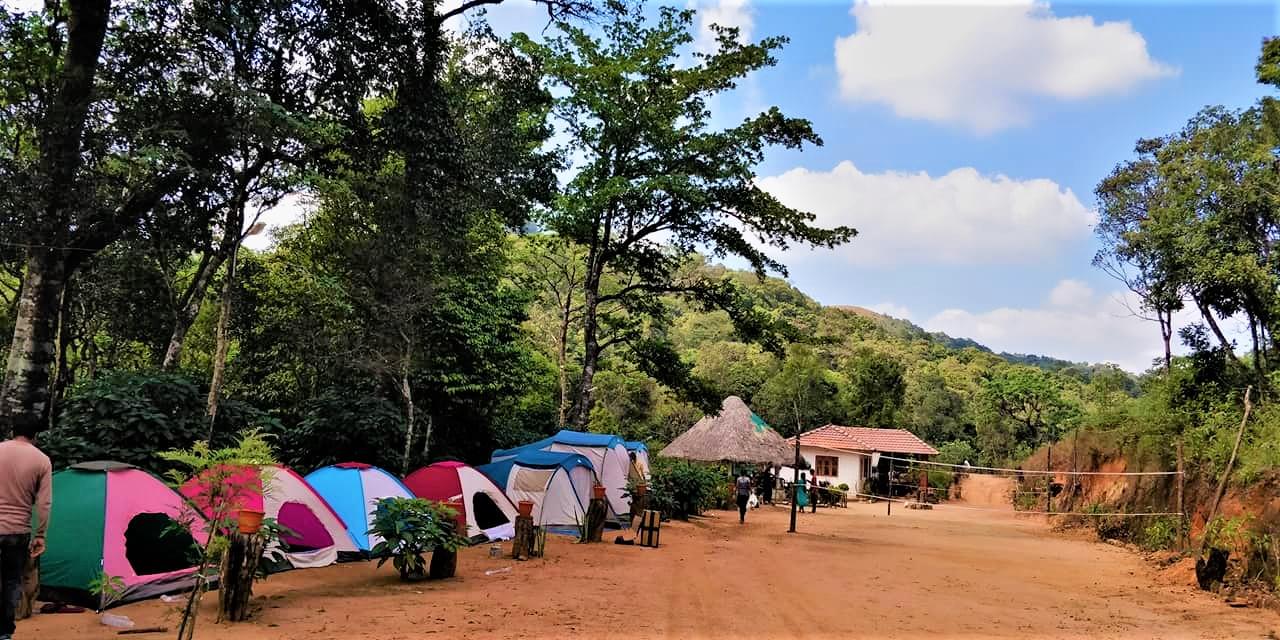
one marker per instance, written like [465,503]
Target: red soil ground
[849,573]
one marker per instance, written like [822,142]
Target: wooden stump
[239,569]
[444,564]
[523,544]
[30,588]
[596,514]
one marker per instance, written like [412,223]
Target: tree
[654,181]
[931,409]
[1032,400]
[77,183]
[1129,198]
[875,387]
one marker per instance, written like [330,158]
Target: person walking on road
[26,490]
[743,487]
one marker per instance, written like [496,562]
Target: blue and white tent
[353,489]
[557,483]
[608,456]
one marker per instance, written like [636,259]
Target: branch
[463,8]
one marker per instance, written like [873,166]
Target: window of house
[827,465]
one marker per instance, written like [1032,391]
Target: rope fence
[1014,511]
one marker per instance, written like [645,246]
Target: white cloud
[726,13]
[1070,293]
[1075,324]
[962,217]
[892,310]
[980,65]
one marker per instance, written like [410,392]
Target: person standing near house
[26,489]
[813,492]
[743,486]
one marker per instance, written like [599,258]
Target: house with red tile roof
[843,455]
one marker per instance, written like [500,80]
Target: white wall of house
[851,468]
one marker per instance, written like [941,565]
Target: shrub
[681,489]
[410,528]
[337,428]
[128,416]
[1160,533]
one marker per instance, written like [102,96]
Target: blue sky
[964,141]
[1046,300]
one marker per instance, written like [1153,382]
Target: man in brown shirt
[26,490]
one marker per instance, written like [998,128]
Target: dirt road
[849,573]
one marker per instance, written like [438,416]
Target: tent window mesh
[154,544]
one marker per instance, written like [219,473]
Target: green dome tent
[110,519]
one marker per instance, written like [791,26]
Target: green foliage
[1228,534]
[680,489]
[338,427]
[410,528]
[127,417]
[108,588]
[802,395]
[1161,533]
[874,389]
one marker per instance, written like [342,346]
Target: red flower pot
[526,508]
[250,521]
[597,492]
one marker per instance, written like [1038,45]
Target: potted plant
[412,527]
[222,494]
[598,491]
[525,508]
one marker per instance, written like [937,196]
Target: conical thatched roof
[735,435]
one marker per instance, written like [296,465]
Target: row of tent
[116,520]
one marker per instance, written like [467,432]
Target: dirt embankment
[849,573]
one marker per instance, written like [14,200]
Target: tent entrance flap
[307,533]
[155,543]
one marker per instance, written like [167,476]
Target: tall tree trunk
[1207,314]
[406,394]
[24,399]
[220,351]
[1166,333]
[591,349]
[426,439]
[190,305]
[62,377]
[562,349]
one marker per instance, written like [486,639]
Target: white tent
[607,454]
[558,485]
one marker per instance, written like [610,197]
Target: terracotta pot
[250,521]
[597,491]
[525,507]
[642,489]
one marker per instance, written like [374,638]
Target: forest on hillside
[507,236]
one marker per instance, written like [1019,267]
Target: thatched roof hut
[736,434]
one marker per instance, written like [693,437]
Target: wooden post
[239,569]
[522,545]
[596,513]
[1182,511]
[1048,478]
[1226,473]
